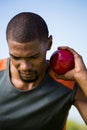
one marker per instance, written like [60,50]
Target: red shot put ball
[62,61]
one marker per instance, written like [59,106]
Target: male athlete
[32,96]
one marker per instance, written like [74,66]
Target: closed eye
[34,57]
[14,57]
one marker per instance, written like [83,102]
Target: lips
[26,74]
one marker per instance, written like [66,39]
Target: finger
[75,54]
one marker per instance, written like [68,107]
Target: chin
[29,80]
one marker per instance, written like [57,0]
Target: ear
[49,42]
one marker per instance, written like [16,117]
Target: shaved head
[26,27]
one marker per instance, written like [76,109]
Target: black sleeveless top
[45,107]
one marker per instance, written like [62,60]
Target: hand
[79,69]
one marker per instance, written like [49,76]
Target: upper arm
[81,104]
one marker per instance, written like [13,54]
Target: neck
[19,84]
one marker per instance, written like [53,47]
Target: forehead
[29,48]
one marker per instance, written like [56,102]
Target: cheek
[16,64]
[40,64]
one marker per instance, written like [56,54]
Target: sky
[66,20]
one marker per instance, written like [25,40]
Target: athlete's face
[29,59]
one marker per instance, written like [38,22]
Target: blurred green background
[71,125]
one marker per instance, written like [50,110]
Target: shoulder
[67,83]
[3,64]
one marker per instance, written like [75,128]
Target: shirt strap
[67,83]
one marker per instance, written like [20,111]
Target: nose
[25,65]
